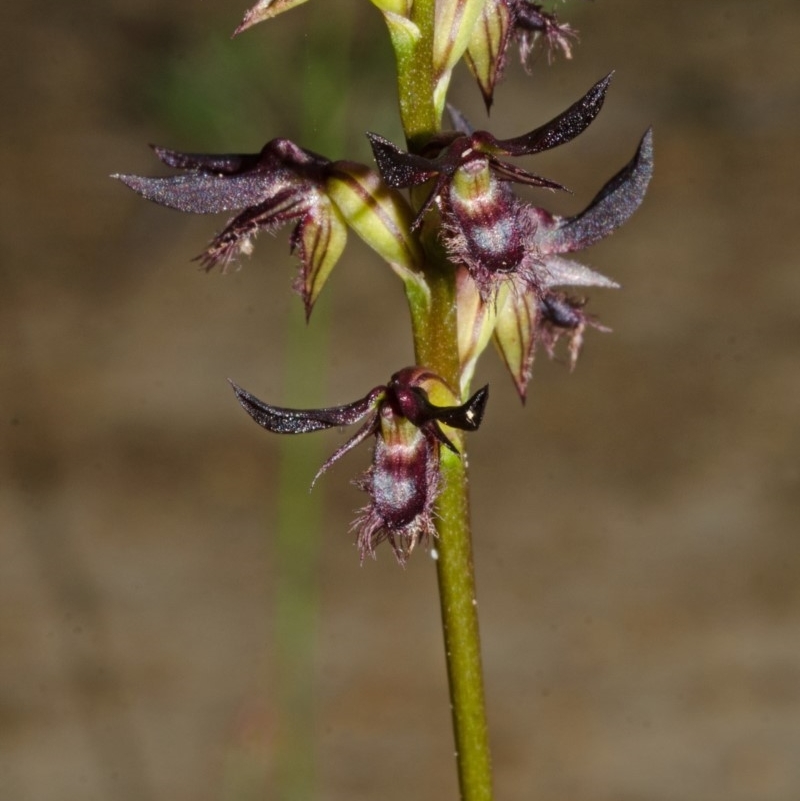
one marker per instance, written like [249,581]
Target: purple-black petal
[301,421]
[611,207]
[510,172]
[560,130]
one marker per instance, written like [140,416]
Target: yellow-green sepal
[487,46]
[455,21]
[379,215]
[475,325]
[320,243]
[515,332]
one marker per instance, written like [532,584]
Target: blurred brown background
[636,524]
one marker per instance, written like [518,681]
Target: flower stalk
[459,609]
[436,344]
[435,333]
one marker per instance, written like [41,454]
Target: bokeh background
[637,523]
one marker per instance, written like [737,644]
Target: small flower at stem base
[403,481]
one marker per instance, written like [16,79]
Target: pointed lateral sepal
[378,214]
[515,333]
[475,323]
[612,206]
[485,54]
[280,420]
[264,10]
[367,430]
[319,240]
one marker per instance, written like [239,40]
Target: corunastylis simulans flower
[514,251]
[285,183]
[404,479]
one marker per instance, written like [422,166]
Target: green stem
[461,635]
[415,78]
[436,348]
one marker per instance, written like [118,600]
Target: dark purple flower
[484,226]
[514,252]
[282,184]
[403,481]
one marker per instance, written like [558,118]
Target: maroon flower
[485,226]
[282,184]
[403,481]
[513,251]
